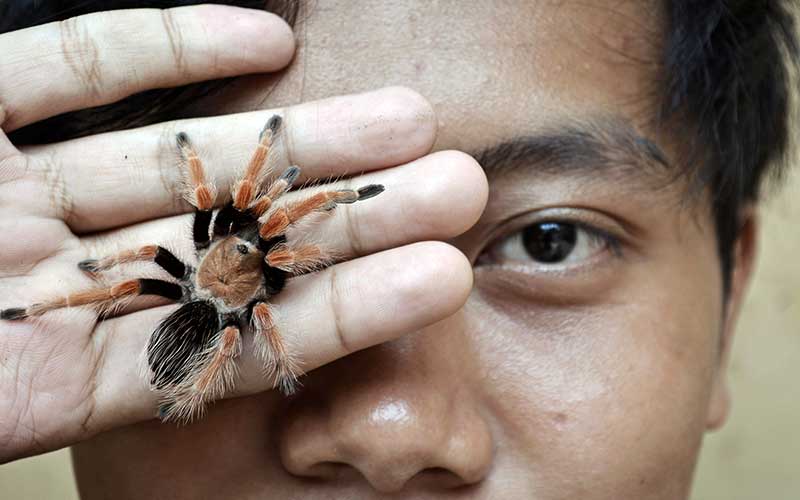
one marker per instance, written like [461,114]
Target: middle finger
[436,197]
[119,178]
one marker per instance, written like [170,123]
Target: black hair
[726,90]
[729,65]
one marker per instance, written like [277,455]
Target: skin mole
[231,271]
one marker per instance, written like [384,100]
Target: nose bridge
[387,415]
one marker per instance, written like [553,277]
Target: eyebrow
[609,147]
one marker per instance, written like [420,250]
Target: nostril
[439,478]
[329,470]
[389,442]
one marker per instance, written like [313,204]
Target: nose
[388,423]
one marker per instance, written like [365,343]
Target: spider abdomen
[182,335]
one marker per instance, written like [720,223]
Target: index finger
[100,58]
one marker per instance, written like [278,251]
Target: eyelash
[610,243]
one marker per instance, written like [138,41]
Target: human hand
[66,376]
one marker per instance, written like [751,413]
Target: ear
[744,254]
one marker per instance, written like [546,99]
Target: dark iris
[549,241]
[242,248]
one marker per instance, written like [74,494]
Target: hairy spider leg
[274,224]
[212,374]
[245,189]
[148,253]
[278,187]
[298,259]
[104,299]
[199,192]
[250,199]
[280,365]
[230,219]
[282,258]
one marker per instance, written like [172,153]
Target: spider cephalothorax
[243,259]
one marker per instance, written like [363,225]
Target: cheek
[614,393]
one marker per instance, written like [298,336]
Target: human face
[586,370]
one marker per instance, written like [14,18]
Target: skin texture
[591,379]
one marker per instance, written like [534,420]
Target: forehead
[493,69]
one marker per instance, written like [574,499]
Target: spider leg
[199,192]
[279,363]
[230,219]
[212,375]
[274,223]
[149,253]
[278,187]
[244,191]
[249,202]
[298,260]
[104,299]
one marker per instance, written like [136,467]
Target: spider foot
[280,365]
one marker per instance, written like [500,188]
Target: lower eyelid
[582,284]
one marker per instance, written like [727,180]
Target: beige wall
[757,454]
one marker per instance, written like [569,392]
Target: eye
[242,248]
[549,243]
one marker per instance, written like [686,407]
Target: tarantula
[241,263]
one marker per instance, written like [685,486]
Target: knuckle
[353,231]
[174,34]
[336,307]
[51,175]
[167,162]
[87,408]
[287,144]
[81,52]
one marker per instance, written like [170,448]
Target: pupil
[242,249]
[549,241]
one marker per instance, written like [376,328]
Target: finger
[436,197]
[125,177]
[100,58]
[322,316]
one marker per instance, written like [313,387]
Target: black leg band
[225,220]
[202,221]
[267,245]
[274,279]
[13,313]
[170,263]
[230,220]
[161,288]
